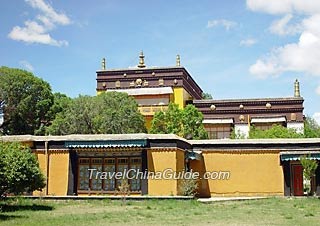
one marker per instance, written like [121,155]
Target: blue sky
[232,48]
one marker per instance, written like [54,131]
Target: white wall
[242,130]
[298,126]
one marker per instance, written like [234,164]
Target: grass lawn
[271,211]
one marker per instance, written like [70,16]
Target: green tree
[76,118]
[207,96]
[19,170]
[311,128]
[276,131]
[26,101]
[173,120]
[192,123]
[119,114]
[111,113]
[60,102]
[309,169]
[158,123]
[185,122]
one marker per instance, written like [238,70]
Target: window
[265,126]
[103,173]
[122,167]
[96,182]
[219,131]
[109,166]
[135,163]
[84,173]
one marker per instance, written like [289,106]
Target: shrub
[189,187]
[19,170]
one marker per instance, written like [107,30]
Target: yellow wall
[250,173]
[160,160]
[180,96]
[58,174]
[180,167]
[148,120]
[42,164]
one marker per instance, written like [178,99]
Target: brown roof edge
[276,99]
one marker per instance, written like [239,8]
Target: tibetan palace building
[155,87]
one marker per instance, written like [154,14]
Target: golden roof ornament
[178,60]
[141,61]
[103,64]
[296,88]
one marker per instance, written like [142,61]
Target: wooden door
[297,180]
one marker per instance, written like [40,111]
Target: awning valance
[218,121]
[106,144]
[144,91]
[285,156]
[268,119]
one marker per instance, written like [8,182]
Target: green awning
[296,157]
[106,144]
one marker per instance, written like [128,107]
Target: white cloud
[227,24]
[284,6]
[34,33]
[26,65]
[262,69]
[282,27]
[248,42]
[300,56]
[37,31]
[316,117]
[47,10]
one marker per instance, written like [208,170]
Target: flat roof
[257,141]
[140,68]
[139,136]
[247,100]
[91,137]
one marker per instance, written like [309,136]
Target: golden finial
[296,88]
[103,64]
[141,60]
[178,60]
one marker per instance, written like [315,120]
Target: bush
[189,187]
[19,170]
[309,169]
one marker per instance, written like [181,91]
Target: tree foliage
[26,100]
[276,131]
[309,168]
[19,170]
[111,113]
[207,96]
[311,130]
[60,102]
[185,122]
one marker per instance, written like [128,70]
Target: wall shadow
[34,207]
[5,217]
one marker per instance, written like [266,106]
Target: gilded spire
[178,60]
[141,60]
[103,64]
[296,88]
